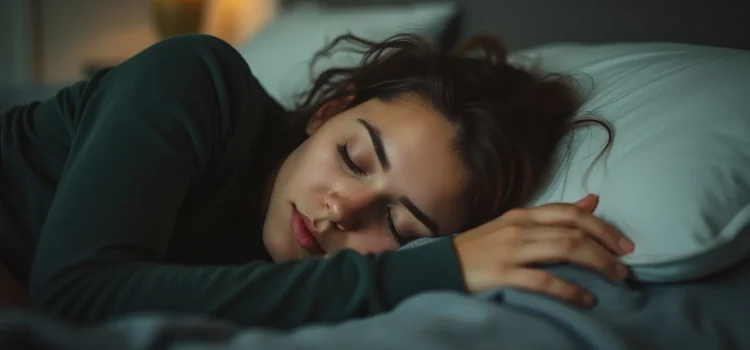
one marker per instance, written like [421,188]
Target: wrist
[454,247]
[433,266]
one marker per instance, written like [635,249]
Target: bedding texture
[706,315]
[677,177]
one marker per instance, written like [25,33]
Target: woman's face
[369,178]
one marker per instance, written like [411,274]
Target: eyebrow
[424,219]
[377,144]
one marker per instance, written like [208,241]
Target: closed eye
[356,170]
[347,159]
[392,229]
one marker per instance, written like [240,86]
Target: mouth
[304,233]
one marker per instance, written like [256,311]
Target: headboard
[526,23]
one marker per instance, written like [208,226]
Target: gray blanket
[707,315]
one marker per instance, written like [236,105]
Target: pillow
[677,178]
[279,55]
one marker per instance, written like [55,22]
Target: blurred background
[54,41]
[45,44]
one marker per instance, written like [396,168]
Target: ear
[325,112]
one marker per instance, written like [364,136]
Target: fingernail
[596,201]
[588,299]
[626,246]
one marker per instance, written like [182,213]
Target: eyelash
[344,154]
[392,229]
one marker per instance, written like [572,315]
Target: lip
[304,232]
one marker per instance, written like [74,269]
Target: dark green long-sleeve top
[142,190]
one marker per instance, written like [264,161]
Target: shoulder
[196,91]
[212,82]
[195,78]
[187,62]
[200,51]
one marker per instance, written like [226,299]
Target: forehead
[424,166]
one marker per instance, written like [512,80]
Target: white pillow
[279,55]
[677,179]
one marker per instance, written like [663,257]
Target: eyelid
[345,156]
[392,228]
[348,161]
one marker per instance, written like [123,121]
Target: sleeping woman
[174,183]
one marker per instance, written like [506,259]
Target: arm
[133,159]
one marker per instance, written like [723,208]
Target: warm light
[175,17]
[236,21]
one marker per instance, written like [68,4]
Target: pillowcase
[279,55]
[677,178]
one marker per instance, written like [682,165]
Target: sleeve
[146,131]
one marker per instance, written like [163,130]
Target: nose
[347,208]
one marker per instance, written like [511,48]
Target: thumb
[589,202]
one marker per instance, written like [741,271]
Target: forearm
[347,285]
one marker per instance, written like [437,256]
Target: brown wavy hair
[509,121]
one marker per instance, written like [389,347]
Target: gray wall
[76,32]
[16,62]
[80,32]
[525,23]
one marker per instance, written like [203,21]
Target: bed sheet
[709,315]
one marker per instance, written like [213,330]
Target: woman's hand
[503,251]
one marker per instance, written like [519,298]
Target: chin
[282,249]
[275,246]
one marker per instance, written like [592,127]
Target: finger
[564,234]
[576,249]
[544,282]
[574,216]
[536,233]
[588,202]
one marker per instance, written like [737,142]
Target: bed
[708,314]
[677,181]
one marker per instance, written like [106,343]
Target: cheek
[317,167]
